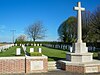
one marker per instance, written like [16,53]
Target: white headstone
[18,51]
[34,44]
[20,44]
[31,49]
[31,44]
[15,44]
[40,50]
[40,44]
[70,49]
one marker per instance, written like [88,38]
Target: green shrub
[35,54]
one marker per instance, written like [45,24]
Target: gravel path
[58,72]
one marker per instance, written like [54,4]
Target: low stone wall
[36,64]
[12,64]
[23,64]
[71,68]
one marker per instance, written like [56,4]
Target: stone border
[3,58]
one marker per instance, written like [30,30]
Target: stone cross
[79,27]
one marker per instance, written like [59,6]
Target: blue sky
[18,14]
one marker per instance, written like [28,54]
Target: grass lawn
[53,54]
[11,52]
[95,55]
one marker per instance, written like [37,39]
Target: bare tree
[36,31]
[85,24]
[22,38]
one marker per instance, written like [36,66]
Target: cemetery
[28,57]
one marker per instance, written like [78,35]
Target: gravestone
[37,44]
[40,44]
[31,44]
[40,50]
[31,49]
[18,51]
[34,44]
[20,44]
[70,49]
[15,44]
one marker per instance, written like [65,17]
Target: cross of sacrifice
[79,27]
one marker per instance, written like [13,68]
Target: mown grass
[11,52]
[53,54]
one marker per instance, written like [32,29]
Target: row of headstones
[39,50]
[18,50]
[29,44]
[58,46]
[69,47]
[5,47]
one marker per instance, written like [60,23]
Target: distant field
[2,44]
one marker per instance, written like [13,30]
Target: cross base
[80,48]
[79,57]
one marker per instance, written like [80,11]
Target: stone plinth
[79,57]
[80,48]
[80,67]
[80,53]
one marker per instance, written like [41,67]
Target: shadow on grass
[56,58]
[96,58]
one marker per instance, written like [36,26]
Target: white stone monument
[31,50]
[40,50]
[80,60]
[34,44]
[80,52]
[18,51]
[70,49]
[37,44]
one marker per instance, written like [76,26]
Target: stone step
[52,62]
[52,65]
[50,69]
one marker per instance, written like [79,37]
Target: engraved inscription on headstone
[36,65]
